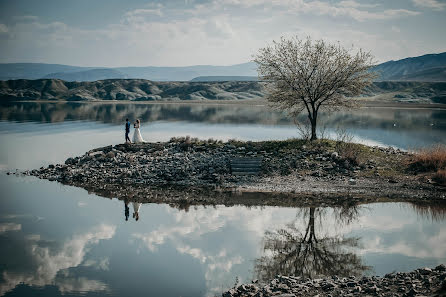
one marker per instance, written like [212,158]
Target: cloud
[351,3]
[326,8]
[433,4]
[216,32]
[347,8]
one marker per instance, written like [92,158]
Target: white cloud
[433,4]
[352,3]
[218,32]
[325,8]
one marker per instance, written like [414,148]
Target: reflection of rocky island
[293,166]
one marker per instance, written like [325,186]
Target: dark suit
[127,131]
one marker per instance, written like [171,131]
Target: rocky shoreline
[322,170]
[420,282]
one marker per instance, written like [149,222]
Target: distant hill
[88,75]
[146,90]
[225,78]
[34,70]
[127,89]
[430,74]
[73,73]
[422,68]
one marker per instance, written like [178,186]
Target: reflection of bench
[246,166]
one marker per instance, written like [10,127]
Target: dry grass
[430,159]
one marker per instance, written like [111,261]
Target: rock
[351,284]
[357,289]
[352,181]
[97,153]
[110,155]
[425,271]
[230,293]
[440,267]
[69,161]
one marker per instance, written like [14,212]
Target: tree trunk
[313,126]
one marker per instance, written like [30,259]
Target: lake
[60,240]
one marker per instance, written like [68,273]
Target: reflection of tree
[291,251]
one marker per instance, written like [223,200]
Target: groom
[127,131]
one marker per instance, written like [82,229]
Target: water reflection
[306,252]
[48,262]
[116,113]
[432,211]
[194,250]
[403,128]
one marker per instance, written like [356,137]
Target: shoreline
[291,173]
[419,282]
[247,102]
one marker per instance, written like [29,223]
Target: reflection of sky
[62,236]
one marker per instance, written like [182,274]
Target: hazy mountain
[34,70]
[225,78]
[88,75]
[414,68]
[187,73]
[424,68]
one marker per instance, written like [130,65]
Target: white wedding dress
[137,138]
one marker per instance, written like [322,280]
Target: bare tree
[310,75]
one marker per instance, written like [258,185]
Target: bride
[137,138]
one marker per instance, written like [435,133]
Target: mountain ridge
[146,90]
[427,67]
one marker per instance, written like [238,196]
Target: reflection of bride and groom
[137,137]
[136,207]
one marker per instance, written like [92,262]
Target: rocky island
[289,173]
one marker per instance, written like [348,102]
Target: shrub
[430,159]
[347,150]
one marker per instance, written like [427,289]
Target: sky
[112,33]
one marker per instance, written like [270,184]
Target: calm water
[59,240]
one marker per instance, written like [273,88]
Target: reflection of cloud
[102,264]
[80,284]
[5,227]
[420,246]
[189,228]
[49,262]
